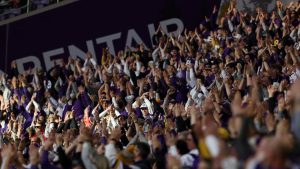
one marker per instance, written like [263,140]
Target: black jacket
[143,164]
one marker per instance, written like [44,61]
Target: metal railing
[7,11]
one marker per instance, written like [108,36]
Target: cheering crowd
[223,96]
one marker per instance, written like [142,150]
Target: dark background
[89,19]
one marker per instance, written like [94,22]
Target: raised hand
[173,162]
[279,5]
[48,144]
[116,133]
[177,110]
[271,90]
[208,105]
[34,156]
[7,152]
[215,9]
[155,142]
[270,122]
[59,139]
[236,105]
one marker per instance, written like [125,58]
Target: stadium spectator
[225,95]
